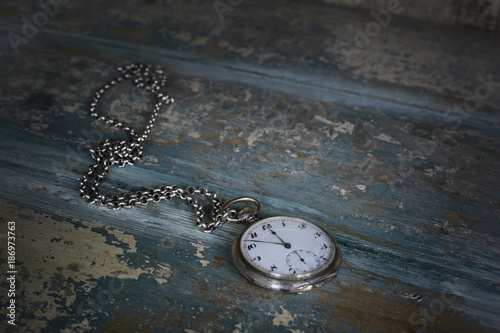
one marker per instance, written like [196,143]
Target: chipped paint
[340,127]
[341,191]
[199,250]
[362,188]
[183,36]
[59,259]
[204,263]
[162,273]
[239,328]
[266,56]
[82,326]
[433,171]
[245,52]
[235,141]
[248,96]
[257,135]
[195,86]
[201,41]
[387,138]
[199,254]
[39,127]
[284,318]
[194,134]
[150,160]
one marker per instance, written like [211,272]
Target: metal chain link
[123,153]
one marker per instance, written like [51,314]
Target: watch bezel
[286,283]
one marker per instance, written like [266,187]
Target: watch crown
[245,209]
[247,214]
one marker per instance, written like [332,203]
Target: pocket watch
[283,253]
[279,253]
[286,254]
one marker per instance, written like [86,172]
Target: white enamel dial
[286,247]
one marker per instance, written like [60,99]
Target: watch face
[287,248]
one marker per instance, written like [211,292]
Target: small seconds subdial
[302,261]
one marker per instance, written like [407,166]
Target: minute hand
[287,245]
[259,241]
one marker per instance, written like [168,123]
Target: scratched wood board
[471,13]
[283,102]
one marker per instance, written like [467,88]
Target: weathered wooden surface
[471,13]
[280,101]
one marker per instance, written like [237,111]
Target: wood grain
[276,101]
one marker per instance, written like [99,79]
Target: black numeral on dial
[266,226]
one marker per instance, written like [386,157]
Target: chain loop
[123,153]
